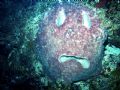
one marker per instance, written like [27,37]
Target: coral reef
[21,67]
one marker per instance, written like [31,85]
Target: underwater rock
[111,59]
[82,85]
[70,45]
[112,50]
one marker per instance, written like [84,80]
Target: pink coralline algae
[70,43]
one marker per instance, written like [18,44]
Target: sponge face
[71,46]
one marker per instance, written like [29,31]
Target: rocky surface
[21,67]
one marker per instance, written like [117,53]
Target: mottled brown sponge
[70,43]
